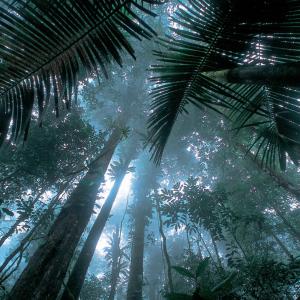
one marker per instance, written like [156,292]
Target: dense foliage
[149,150]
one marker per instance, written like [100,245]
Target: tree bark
[135,282]
[141,212]
[287,74]
[117,258]
[45,272]
[165,249]
[76,279]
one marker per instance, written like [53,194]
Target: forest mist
[149,149]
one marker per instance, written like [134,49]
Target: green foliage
[265,278]
[201,268]
[190,203]
[252,259]
[260,279]
[94,289]
[51,157]
[203,291]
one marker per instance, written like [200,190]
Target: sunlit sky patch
[120,201]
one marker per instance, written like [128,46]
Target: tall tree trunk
[117,258]
[135,282]
[76,279]
[165,249]
[289,73]
[141,212]
[116,264]
[45,272]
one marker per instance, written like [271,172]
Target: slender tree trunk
[287,73]
[76,279]
[135,283]
[45,272]
[117,259]
[199,249]
[141,212]
[188,241]
[206,248]
[116,264]
[114,282]
[165,249]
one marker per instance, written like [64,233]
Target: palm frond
[270,147]
[215,35]
[47,46]
[278,130]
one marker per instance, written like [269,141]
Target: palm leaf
[215,35]
[48,45]
[278,132]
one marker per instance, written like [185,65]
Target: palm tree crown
[212,38]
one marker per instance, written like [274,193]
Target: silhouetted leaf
[183,271]
[8,212]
